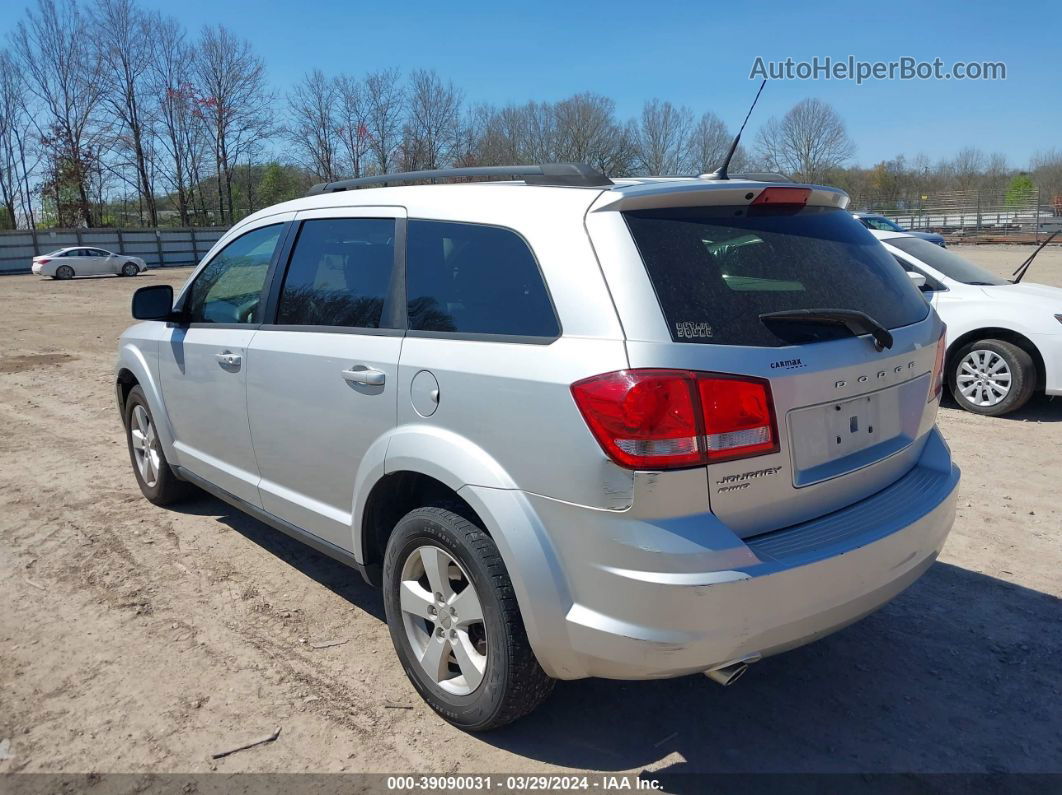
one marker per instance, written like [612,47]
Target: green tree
[1020,191]
[276,185]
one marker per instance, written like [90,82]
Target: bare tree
[314,108]
[433,119]
[808,143]
[996,174]
[1046,168]
[353,131]
[662,138]
[124,47]
[235,105]
[173,97]
[15,132]
[384,101]
[67,83]
[587,132]
[967,167]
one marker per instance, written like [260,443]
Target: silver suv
[573,427]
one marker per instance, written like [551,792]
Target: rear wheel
[992,377]
[130,269]
[64,272]
[153,474]
[455,623]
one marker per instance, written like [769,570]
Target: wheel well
[1006,335]
[126,381]
[393,497]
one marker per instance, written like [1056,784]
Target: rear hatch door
[851,415]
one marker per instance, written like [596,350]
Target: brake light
[938,372]
[43,261]
[783,195]
[668,419]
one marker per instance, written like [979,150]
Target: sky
[698,54]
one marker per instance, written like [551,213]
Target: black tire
[1018,362]
[513,683]
[130,269]
[64,272]
[166,488]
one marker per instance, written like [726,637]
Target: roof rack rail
[562,174]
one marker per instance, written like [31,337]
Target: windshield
[717,269]
[946,261]
[882,224]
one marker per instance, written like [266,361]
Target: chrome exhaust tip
[726,675]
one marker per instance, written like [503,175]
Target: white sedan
[66,263]
[1004,340]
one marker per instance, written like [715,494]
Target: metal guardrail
[159,247]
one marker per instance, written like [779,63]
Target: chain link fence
[978,216]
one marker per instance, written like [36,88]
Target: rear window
[947,262]
[717,269]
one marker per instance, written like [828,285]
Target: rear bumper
[659,598]
[37,268]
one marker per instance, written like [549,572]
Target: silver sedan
[66,263]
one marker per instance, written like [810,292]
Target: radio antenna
[720,173]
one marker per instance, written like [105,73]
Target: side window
[339,273]
[229,288]
[475,279]
[931,285]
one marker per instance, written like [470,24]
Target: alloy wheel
[983,378]
[145,446]
[443,620]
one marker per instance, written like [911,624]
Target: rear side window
[717,269]
[339,274]
[475,279]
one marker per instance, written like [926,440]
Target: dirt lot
[134,638]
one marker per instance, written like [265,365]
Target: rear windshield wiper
[858,323]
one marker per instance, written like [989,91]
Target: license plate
[835,437]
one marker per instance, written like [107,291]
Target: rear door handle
[364,375]
[228,359]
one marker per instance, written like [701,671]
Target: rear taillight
[668,419]
[43,261]
[938,372]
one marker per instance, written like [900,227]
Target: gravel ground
[137,639]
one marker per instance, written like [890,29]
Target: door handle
[228,359]
[364,375]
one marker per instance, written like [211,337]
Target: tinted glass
[717,269]
[947,262]
[475,279]
[931,285]
[229,288]
[881,223]
[340,273]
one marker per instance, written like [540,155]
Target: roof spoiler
[578,175]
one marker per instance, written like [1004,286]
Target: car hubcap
[443,620]
[145,446]
[983,378]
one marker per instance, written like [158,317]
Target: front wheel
[153,474]
[130,269]
[455,623]
[992,377]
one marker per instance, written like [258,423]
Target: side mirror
[917,279]
[153,303]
